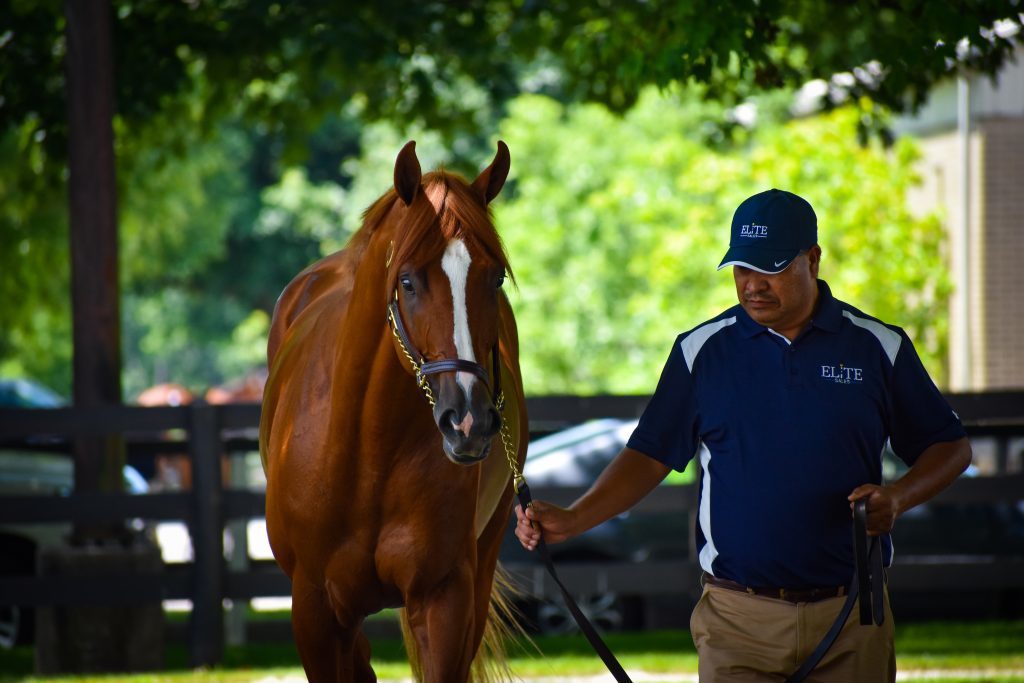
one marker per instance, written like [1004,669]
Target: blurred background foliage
[616,225]
[251,136]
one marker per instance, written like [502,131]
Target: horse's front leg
[331,652]
[442,620]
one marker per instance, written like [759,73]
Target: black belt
[794,595]
[867,582]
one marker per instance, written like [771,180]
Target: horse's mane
[427,230]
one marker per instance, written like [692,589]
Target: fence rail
[209,507]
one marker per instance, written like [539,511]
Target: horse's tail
[411,650]
[504,624]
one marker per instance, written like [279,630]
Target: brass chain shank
[506,441]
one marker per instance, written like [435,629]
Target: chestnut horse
[394,373]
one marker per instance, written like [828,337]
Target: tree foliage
[416,61]
[246,149]
[616,226]
[34,264]
[207,241]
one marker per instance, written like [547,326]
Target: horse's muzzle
[467,426]
[465,458]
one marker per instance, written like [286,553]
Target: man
[788,401]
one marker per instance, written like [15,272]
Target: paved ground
[637,676]
[642,677]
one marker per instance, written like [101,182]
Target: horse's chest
[421,549]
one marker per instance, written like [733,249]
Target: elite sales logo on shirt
[842,374]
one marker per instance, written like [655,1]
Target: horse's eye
[501,280]
[406,282]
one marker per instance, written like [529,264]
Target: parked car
[575,457]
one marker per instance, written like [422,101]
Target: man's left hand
[883,507]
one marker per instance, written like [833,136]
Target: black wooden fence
[213,430]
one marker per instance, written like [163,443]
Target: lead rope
[602,650]
[526,500]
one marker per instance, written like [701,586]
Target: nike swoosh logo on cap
[779,263]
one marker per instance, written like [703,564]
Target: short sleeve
[667,429]
[921,416]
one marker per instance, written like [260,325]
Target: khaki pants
[741,637]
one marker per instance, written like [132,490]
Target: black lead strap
[869,568]
[523,492]
[868,580]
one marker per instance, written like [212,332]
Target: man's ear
[814,259]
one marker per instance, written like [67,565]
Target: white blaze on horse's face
[455,263]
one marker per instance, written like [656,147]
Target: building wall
[986,345]
[942,177]
[1001,252]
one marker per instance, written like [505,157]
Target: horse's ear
[407,173]
[492,178]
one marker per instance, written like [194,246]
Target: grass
[995,647]
[977,646]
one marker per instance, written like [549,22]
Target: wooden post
[93,221]
[94,638]
[206,629]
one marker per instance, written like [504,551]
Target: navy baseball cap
[769,230]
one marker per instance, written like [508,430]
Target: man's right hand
[630,476]
[556,523]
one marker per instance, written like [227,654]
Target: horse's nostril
[466,425]
[447,422]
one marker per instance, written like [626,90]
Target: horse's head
[446,266]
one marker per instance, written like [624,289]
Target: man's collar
[829,316]
[748,328]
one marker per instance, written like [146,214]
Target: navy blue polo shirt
[785,431]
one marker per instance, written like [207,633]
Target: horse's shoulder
[331,276]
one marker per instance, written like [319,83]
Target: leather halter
[424,368]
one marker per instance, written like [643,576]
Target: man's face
[783,301]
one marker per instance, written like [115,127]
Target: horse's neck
[375,391]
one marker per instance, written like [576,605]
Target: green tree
[34,264]
[207,237]
[203,265]
[616,225]
[412,61]
[217,100]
